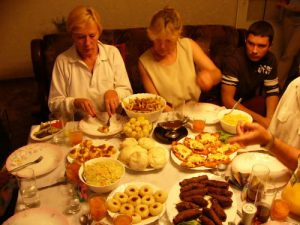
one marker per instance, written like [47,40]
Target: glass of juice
[98,209]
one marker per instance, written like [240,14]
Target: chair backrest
[5,137]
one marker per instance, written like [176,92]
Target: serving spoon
[234,106]
[26,164]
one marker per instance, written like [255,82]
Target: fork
[108,122]
[26,164]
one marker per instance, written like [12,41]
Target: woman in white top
[175,68]
[90,76]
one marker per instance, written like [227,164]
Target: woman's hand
[251,133]
[86,105]
[112,101]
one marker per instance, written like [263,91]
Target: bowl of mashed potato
[101,175]
[229,121]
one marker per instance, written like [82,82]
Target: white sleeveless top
[176,82]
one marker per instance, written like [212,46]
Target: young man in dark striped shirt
[248,71]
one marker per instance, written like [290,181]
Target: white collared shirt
[71,78]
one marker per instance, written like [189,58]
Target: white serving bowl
[231,127]
[152,115]
[112,164]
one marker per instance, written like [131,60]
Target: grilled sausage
[206,221]
[193,180]
[185,215]
[219,191]
[186,205]
[192,186]
[224,201]
[212,215]
[218,209]
[197,199]
[217,183]
[201,192]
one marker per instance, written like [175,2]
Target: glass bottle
[291,192]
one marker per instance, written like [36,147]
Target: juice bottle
[291,192]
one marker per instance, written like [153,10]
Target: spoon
[85,219]
[234,106]
[26,164]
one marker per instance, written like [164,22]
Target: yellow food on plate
[137,127]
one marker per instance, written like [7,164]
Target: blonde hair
[165,22]
[81,15]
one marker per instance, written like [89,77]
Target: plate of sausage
[203,197]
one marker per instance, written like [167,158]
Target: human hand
[251,133]
[86,105]
[204,81]
[112,101]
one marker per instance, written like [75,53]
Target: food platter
[201,110]
[31,216]
[52,156]
[209,159]
[88,146]
[122,188]
[173,199]
[37,128]
[91,125]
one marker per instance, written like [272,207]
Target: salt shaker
[248,213]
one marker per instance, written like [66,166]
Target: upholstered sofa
[216,40]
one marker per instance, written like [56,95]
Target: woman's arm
[147,82]
[208,74]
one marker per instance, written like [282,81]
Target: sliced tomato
[57,124]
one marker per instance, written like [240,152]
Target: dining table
[56,196]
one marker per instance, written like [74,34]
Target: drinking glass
[63,117]
[73,203]
[74,135]
[257,181]
[263,202]
[28,188]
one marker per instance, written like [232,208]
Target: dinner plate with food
[97,126]
[143,201]
[89,149]
[203,197]
[144,154]
[46,130]
[52,156]
[203,151]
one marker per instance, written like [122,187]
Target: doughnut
[160,196]
[132,190]
[127,209]
[146,190]
[148,200]
[136,218]
[113,205]
[134,200]
[155,208]
[142,210]
[121,197]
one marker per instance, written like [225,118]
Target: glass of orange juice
[98,209]
[73,133]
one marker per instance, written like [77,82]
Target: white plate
[243,163]
[45,216]
[97,143]
[173,199]
[122,188]
[91,125]
[44,138]
[52,155]
[201,110]
[199,168]
[151,168]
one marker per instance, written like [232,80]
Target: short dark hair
[261,28]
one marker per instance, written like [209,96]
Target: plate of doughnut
[145,202]
[203,197]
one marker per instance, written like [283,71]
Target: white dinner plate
[122,188]
[96,143]
[52,155]
[199,168]
[243,163]
[201,110]
[151,168]
[173,199]
[90,125]
[42,215]
[48,137]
